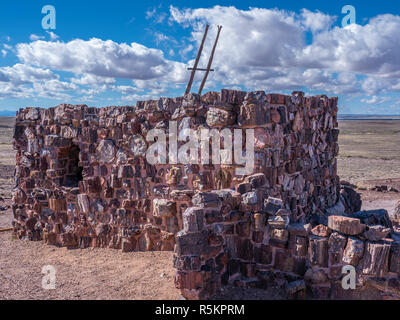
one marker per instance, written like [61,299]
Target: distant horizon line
[368,114]
[12,113]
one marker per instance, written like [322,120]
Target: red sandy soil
[380,200]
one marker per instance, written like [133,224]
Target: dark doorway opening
[73,170]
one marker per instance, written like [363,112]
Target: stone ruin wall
[82,180]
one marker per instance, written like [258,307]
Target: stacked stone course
[82,180]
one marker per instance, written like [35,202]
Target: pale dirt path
[356,169]
[372,200]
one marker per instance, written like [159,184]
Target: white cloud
[374,85]
[8,90]
[54,86]
[52,35]
[316,21]
[98,57]
[183,52]
[150,13]
[139,97]
[369,49]
[156,86]
[161,37]
[34,37]
[375,100]
[22,74]
[144,89]
[22,81]
[266,48]
[95,63]
[126,89]
[156,15]
[396,86]
[4,52]
[255,37]
[92,80]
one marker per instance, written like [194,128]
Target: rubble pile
[83,179]
[264,248]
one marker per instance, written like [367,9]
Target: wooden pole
[210,61]
[6,229]
[189,86]
[200,69]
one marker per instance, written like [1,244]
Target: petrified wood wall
[82,178]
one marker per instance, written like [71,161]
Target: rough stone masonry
[82,180]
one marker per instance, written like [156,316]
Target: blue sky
[117,52]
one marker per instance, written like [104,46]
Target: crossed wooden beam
[208,69]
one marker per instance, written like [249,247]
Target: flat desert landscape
[369,148]
[369,157]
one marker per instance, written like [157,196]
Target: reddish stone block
[284,261]
[263,254]
[299,246]
[248,269]
[353,252]
[194,243]
[395,258]
[258,236]
[375,259]
[345,225]
[274,98]
[299,266]
[318,251]
[243,229]
[189,280]
[245,249]
[321,231]
[336,243]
